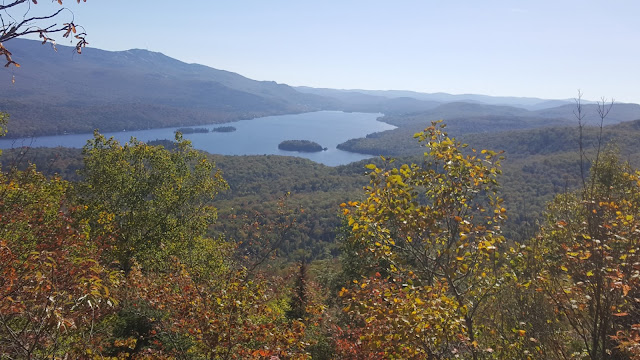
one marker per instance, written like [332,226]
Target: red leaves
[51,284]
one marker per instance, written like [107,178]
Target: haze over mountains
[59,92]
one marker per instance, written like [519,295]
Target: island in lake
[300,145]
[187,130]
[224,129]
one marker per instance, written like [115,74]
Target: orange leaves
[586,257]
[7,54]
[228,311]
[262,353]
[71,28]
[51,286]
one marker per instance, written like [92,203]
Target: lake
[252,137]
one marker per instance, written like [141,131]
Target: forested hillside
[148,214]
[58,91]
[540,163]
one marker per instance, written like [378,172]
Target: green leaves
[52,287]
[156,200]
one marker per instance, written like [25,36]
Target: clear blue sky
[542,48]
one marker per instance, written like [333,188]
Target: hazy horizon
[545,49]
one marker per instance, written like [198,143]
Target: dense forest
[505,232]
[443,255]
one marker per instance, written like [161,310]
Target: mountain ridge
[60,91]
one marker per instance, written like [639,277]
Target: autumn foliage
[122,265]
[53,288]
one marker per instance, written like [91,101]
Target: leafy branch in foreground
[53,290]
[437,226]
[16,21]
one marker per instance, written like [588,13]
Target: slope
[58,91]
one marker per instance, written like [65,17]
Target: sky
[544,48]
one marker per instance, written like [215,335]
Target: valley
[379,211]
[539,136]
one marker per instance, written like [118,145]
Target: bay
[252,137]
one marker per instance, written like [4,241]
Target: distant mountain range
[59,91]
[521,102]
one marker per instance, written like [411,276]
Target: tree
[227,316]
[437,225]
[300,297]
[4,118]
[16,21]
[157,202]
[589,252]
[53,290]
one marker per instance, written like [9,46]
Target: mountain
[528,103]
[620,112]
[464,118]
[60,91]
[356,100]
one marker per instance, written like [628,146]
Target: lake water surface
[253,137]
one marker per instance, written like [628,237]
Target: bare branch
[16,2]
[577,112]
[11,28]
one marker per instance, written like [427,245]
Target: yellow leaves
[563,268]
[522,333]
[343,292]
[586,255]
